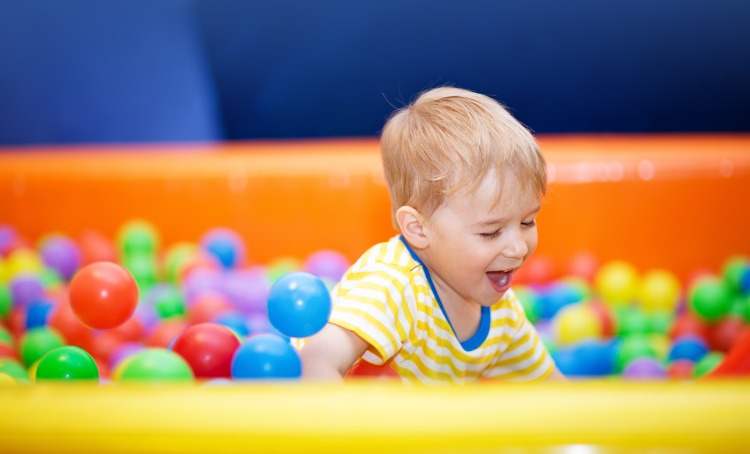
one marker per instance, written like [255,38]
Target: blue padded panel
[291,68]
[80,71]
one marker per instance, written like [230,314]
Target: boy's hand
[330,353]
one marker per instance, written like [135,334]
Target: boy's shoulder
[390,260]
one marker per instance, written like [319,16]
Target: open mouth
[500,280]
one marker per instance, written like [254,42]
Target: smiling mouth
[500,280]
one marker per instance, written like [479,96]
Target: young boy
[466,182]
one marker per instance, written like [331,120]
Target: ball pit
[632,323]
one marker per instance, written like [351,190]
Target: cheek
[532,239]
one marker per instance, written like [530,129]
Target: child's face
[476,244]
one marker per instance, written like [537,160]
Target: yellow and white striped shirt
[387,299]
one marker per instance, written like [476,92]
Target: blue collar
[484,324]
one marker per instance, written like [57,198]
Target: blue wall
[179,70]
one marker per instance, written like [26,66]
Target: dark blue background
[80,71]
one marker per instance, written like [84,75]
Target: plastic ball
[596,358]
[61,254]
[327,264]
[631,320]
[22,261]
[605,315]
[7,380]
[67,363]
[710,299]
[725,333]
[103,295]
[538,270]
[25,288]
[584,265]
[732,271]
[8,234]
[226,245]
[207,306]
[38,314]
[6,302]
[144,270]
[96,247]
[744,281]
[708,364]
[617,282]
[644,368]
[234,321]
[137,236]
[659,291]
[659,322]
[176,259]
[123,352]
[36,342]
[690,348]
[69,326]
[163,334]
[576,323]
[6,351]
[681,369]
[632,347]
[281,266]
[15,369]
[299,305]
[247,289]
[155,365]
[528,299]
[169,302]
[208,348]
[688,323]
[266,356]
[363,369]
[5,336]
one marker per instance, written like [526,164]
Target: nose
[516,246]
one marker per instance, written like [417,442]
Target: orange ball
[103,295]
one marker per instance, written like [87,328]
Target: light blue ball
[266,356]
[299,304]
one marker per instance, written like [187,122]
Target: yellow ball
[659,291]
[661,345]
[21,261]
[576,323]
[617,282]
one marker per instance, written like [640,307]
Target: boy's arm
[330,353]
[556,375]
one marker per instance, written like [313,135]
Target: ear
[411,223]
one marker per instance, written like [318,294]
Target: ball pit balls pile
[122,309]
[125,309]
[615,320]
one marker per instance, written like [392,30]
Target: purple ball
[201,281]
[61,254]
[247,289]
[645,368]
[8,236]
[25,288]
[327,264]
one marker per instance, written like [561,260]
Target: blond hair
[447,141]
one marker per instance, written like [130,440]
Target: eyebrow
[500,221]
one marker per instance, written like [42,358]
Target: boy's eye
[491,235]
[529,224]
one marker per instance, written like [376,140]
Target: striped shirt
[387,299]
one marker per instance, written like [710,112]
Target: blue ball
[299,304]
[745,281]
[688,347]
[38,314]
[266,356]
[226,245]
[234,321]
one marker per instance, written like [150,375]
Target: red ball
[165,332]
[206,306]
[584,265]
[363,369]
[688,323]
[681,369]
[103,295]
[65,321]
[725,333]
[208,348]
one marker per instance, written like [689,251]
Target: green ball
[660,322]
[50,278]
[707,364]
[138,237]
[38,341]
[170,303]
[632,320]
[528,300]
[282,266]
[5,337]
[732,272]
[710,298]
[5,302]
[67,363]
[14,369]
[144,270]
[155,365]
[176,257]
[633,347]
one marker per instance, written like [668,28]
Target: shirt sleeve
[369,303]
